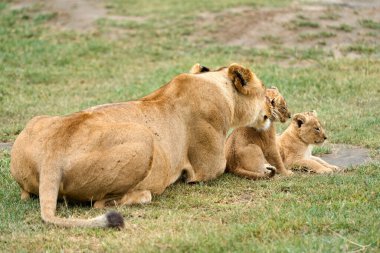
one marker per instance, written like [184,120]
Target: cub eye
[272,102]
[317,129]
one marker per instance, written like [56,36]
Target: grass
[329,15]
[318,35]
[325,149]
[362,48]
[44,70]
[368,23]
[343,27]
[301,23]
[272,39]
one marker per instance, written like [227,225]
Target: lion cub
[297,141]
[248,149]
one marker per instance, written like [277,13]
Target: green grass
[367,23]
[44,70]
[301,23]
[362,48]
[305,212]
[272,39]
[318,35]
[343,27]
[325,149]
[329,15]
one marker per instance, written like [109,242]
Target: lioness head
[277,103]
[250,108]
[308,128]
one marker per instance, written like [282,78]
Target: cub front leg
[274,158]
[313,166]
[251,163]
[326,164]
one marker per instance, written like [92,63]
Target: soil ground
[330,25]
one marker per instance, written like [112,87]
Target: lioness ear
[197,68]
[299,119]
[314,112]
[241,77]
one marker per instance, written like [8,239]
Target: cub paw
[324,171]
[336,168]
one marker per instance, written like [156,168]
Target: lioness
[122,153]
[296,143]
[248,148]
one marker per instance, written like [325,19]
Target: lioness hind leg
[136,197]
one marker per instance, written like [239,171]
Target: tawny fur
[248,149]
[296,144]
[123,153]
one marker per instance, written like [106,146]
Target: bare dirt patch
[6,146]
[78,15]
[346,156]
[332,25]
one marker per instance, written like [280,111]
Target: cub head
[277,104]
[308,127]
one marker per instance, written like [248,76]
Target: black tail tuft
[272,171]
[114,220]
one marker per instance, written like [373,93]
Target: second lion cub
[297,141]
[248,149]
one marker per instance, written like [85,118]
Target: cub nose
[325,137]
[289,115]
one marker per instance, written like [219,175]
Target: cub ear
[242,78]
[299,119]
[274,87]
[197,68]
